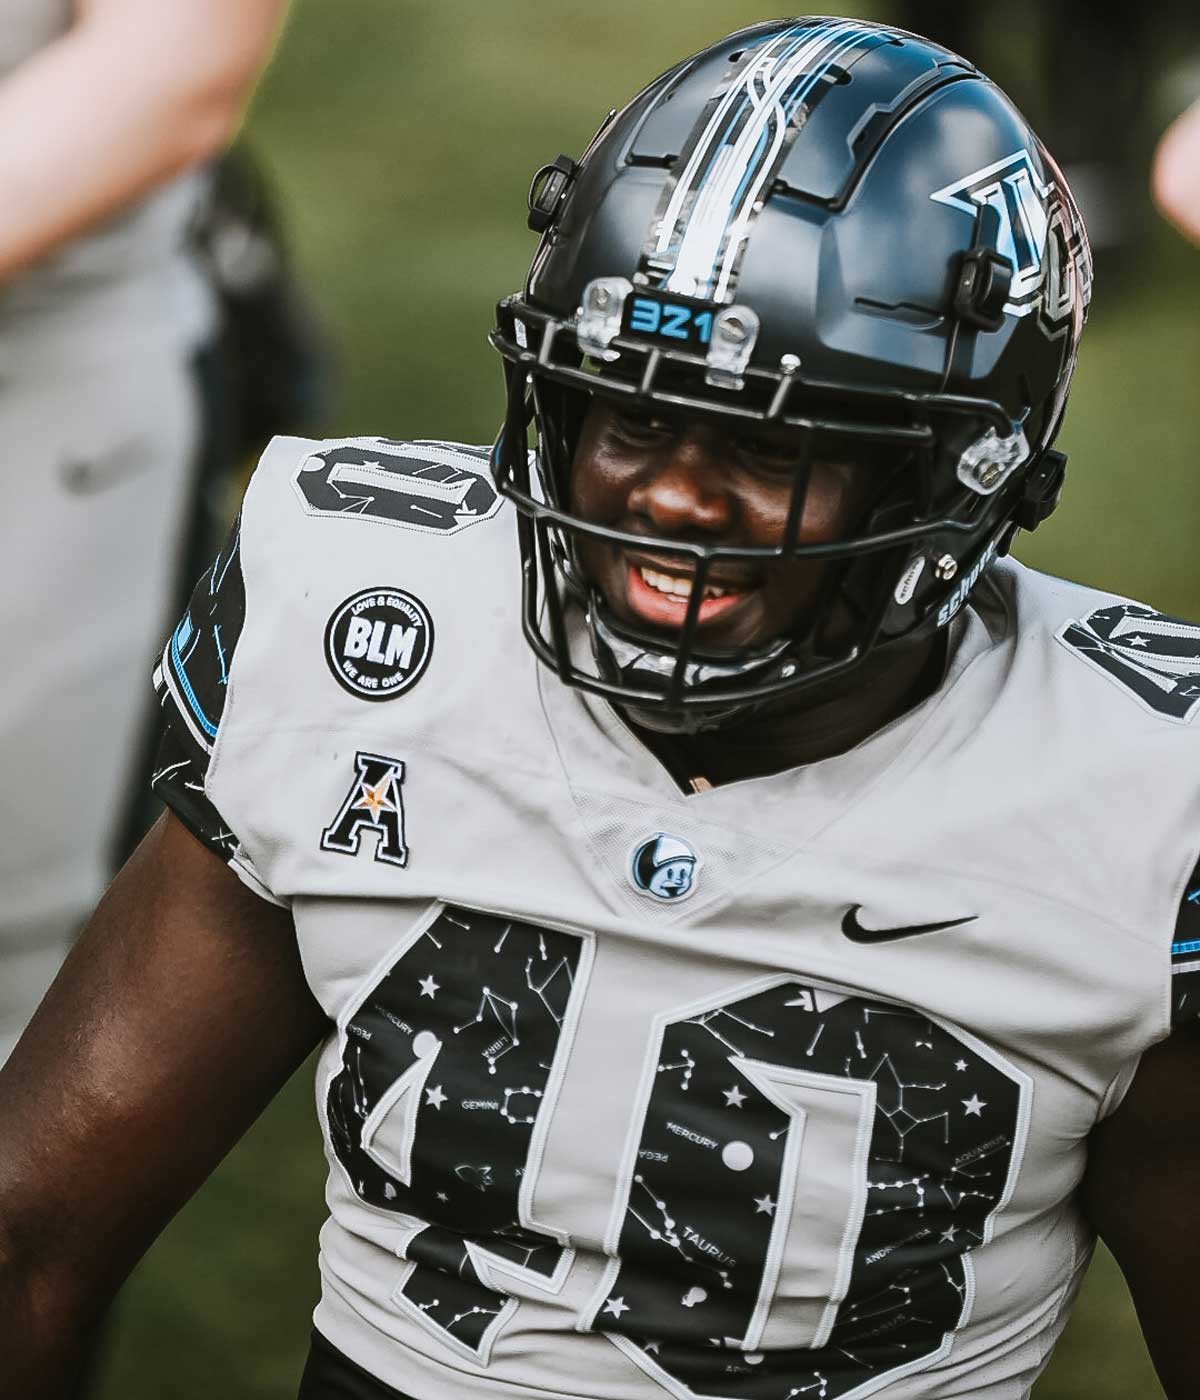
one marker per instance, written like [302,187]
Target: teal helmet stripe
[734,152]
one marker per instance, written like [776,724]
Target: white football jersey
[779,1089]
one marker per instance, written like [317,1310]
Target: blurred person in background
[108,108]
[269,368]
[1176,174]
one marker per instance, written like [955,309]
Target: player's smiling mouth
[660,595]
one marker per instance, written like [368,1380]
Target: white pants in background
[96,457]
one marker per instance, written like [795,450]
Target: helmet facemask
[669,679]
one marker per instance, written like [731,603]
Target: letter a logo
[373,804]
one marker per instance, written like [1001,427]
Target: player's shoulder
[1131,665]
[360,570]
[372,511]
[379,544]
[349,556]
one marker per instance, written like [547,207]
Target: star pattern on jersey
[191,683]
[730,1095]
[934,1175]
[169,770]
[496,1064]
[501,1017]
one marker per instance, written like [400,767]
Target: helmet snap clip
[984,277]
[734,336]
[598,319]
[547,190]
[987,463]
[1043,486]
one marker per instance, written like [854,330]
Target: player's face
[672,880]
[700,481]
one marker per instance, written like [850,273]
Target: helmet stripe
[735,151]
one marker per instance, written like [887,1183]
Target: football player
[768,991]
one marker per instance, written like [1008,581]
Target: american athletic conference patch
[378,643]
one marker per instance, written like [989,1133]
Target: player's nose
[686,488]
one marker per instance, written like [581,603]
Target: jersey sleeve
[191,681]
[1185,956]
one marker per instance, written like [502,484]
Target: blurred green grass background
[402,135]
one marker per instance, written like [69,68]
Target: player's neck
[825,723]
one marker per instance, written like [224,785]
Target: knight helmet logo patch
[664,867]
[373,805]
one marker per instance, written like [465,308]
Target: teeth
[679,587]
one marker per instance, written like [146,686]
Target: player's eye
[774,455]
[641,427]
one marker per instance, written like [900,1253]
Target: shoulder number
[437,488]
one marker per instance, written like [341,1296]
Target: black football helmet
[821,224]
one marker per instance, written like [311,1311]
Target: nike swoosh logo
[855,932]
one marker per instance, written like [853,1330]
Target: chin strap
[620,657]
[1040,493]
[1042,488]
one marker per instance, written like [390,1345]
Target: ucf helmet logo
[1041,234]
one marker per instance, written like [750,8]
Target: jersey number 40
[804,1174]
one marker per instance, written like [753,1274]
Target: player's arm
[133,92]
[1176,174]
[178,1015]
[1141,1194]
